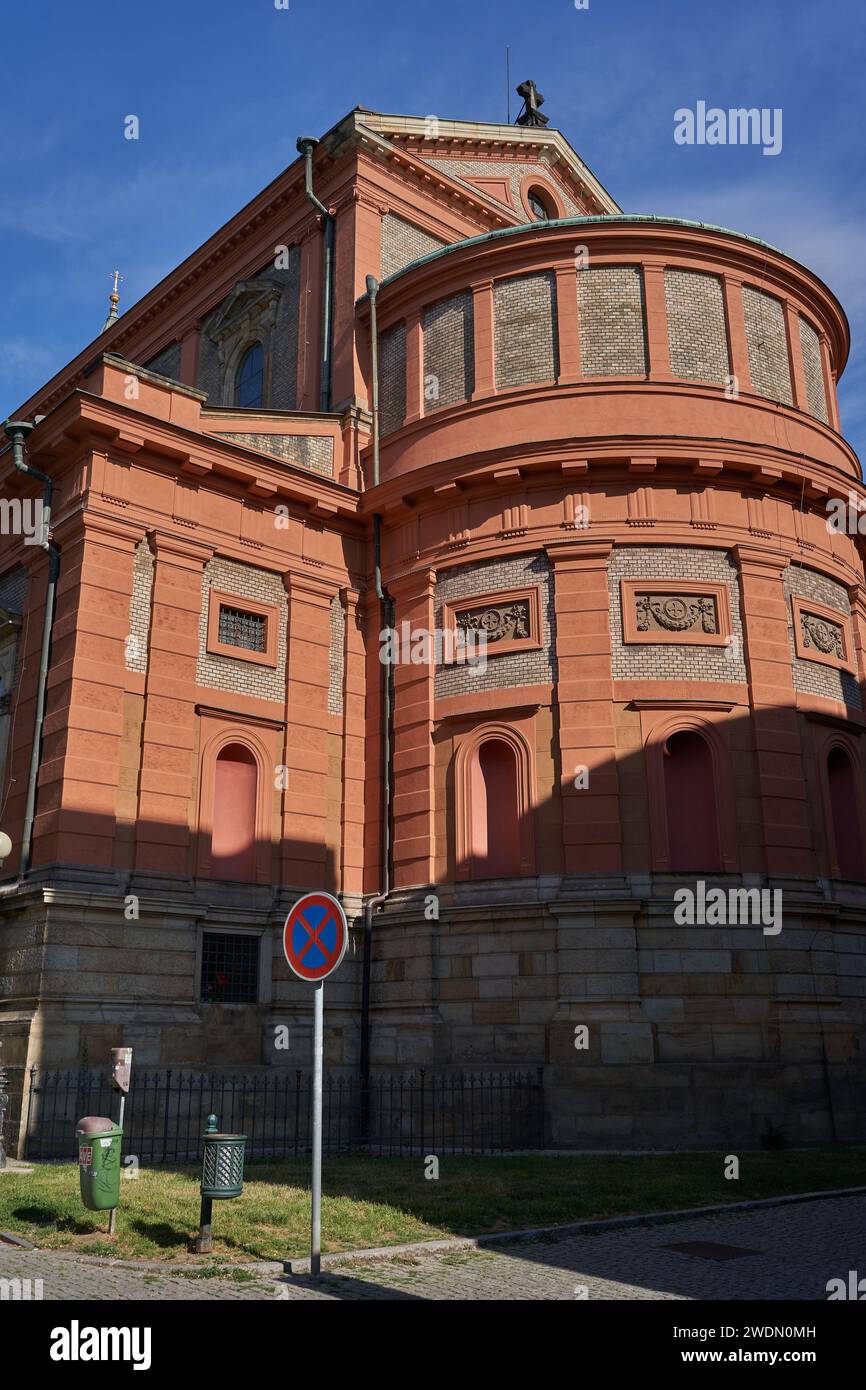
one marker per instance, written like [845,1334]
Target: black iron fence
[418,1112]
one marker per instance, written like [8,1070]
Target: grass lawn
[386,1201]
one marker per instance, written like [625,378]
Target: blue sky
[222,89]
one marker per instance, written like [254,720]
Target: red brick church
[609,445]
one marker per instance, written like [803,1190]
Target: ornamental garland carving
[821,635]
[506,623]
[676,613]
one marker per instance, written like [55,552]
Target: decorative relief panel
[818,632]
[667,610]
[509,620]
[502,583]
[822,634]
[676,613]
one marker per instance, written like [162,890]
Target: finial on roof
[532,100]
[114,300]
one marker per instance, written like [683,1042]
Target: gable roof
[428,135]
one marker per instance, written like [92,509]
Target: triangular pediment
[247,296]
[475,155]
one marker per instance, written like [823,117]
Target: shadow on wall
[706,917]
[691,802]
[185,968]
[698,797]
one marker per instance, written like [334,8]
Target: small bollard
[222,1176]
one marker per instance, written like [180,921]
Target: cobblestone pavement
[795,1249]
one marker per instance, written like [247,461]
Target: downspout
[386,604]
[17,431]
[305,146]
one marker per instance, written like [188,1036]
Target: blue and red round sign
[315,936]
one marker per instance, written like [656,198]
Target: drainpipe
[305,146]
[17,431]
[386,604]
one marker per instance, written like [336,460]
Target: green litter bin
[222,1168]
[98,1140]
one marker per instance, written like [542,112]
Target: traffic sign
[315,936]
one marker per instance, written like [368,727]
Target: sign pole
[112,1215]
[318,1047]
[121,1072]
[315,937]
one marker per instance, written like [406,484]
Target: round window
[538,205]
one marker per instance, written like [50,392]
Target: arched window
[495,825]
[538,205]
[690,803]
[847,832]
[235,794]
[250,378]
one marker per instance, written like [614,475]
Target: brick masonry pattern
[139,608]
[513,173]
[392,378]
[813,677]
[307,450]
[768,345]
[166,363]
[336,656]
[696,325]
[524,312]
[448,352]
[670,660]
[403,243]
[810,344]
[612,332]
[512,669]
[282,344]
[225,672]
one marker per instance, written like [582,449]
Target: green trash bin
[99,1140]
[222,1167]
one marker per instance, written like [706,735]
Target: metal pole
[316,1213]
[112,1216]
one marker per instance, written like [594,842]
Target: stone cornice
[112,426]
[808,482]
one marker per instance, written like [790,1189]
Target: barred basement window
[238,628]
[229,969]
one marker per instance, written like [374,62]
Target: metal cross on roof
[532,100]
[114,300]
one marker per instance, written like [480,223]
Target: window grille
[238,628]
[229,969]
